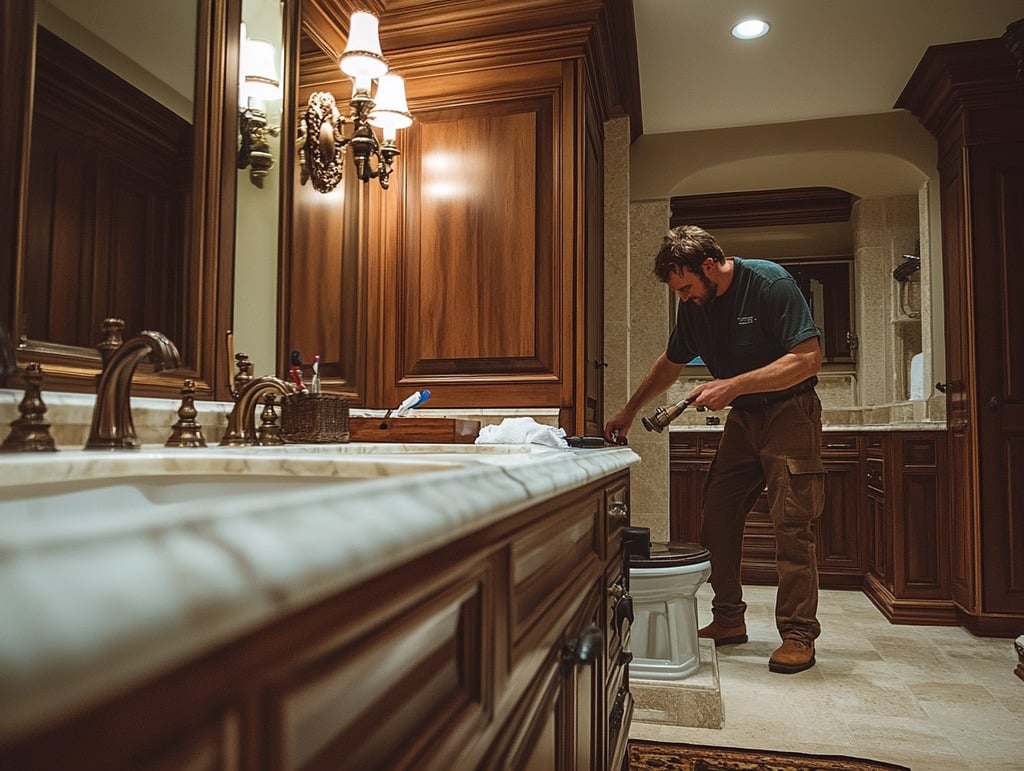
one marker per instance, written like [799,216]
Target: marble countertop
[109,574]
[924,425]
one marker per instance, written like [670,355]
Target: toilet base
[695,702]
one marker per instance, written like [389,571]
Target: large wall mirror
[807,231]
[126,184]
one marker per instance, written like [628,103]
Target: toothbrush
[411,402]
[295,371]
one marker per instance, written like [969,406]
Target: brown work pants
[778,446]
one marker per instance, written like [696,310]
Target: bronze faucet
[112,425]
[241,428]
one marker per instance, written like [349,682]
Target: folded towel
[522,431]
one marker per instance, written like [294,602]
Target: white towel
[522,431]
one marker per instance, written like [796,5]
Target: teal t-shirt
[760,317]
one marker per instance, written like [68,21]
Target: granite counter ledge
[185,578]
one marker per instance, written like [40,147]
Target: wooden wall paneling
[476,280]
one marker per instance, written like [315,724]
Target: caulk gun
[662,416]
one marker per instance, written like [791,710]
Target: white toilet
[663,636]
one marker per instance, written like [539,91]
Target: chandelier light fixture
[323,143]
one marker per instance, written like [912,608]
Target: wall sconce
[257,84]
[322,145]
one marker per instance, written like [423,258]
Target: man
[749,322]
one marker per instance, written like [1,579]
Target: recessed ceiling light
[750,29]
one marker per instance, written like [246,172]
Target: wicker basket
[314,419]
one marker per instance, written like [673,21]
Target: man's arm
[800,363]
[659,377]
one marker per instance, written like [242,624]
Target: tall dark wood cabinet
[478,274]
[970,97]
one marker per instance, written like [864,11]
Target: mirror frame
[209,274]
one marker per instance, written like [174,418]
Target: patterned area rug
[651,756]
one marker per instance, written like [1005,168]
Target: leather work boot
[792,656]
[724,635]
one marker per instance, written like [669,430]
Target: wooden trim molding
[761,208]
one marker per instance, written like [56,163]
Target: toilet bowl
[663,636]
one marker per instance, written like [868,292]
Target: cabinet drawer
[391,700]
[545,559]
[709,444]
[684,444]
[840,445]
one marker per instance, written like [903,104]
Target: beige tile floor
[930,698]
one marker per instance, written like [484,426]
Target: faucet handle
[30,432]
[186,432]
[269,432]
[243,376]
[112,338]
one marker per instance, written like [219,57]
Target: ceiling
[821,59]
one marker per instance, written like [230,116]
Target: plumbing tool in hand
[662,416]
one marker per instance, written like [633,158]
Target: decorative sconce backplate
[321,144]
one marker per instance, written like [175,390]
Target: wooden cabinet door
[686,485]
[881,551]
[839,536]
[997,244]
[962,482]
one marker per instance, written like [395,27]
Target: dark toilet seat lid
[674,554]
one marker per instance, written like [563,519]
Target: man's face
[692,287]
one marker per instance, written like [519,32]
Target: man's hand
[715,395]
[617,428]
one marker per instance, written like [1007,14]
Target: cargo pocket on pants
[805,488]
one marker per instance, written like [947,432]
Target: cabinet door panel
[414,679]
[476,300]
[997,242]
[839,536]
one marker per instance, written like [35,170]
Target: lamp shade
[259,70]
[390,111]
[362,57]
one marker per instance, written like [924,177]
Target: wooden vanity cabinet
[841,543]
[905,488]
[495,651]
[885,526]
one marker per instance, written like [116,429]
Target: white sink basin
[72,484]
